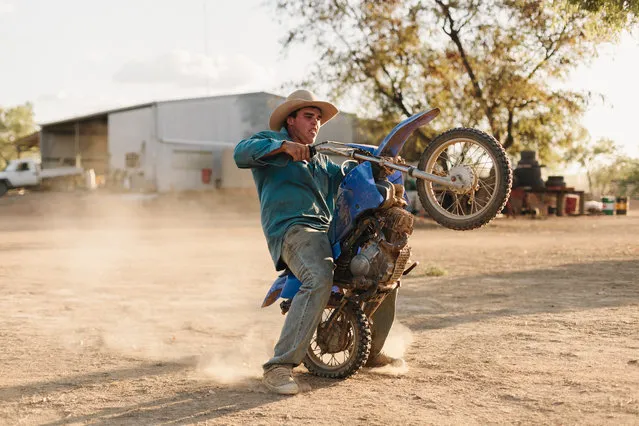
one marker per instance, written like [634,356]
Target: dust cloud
[399,339]
[241,359]
[160,279]
[110,262]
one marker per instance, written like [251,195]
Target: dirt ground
[131,310]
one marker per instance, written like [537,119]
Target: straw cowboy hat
[298,100]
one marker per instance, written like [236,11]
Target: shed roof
[104,114]
[28,141]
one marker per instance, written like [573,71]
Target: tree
[15,123]
[618,12]
[628,180]
[485,63]
[596,159]
[619,177]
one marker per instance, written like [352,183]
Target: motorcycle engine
[376,251]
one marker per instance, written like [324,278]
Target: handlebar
[360,155]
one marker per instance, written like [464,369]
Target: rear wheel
[475,158]
[341,344]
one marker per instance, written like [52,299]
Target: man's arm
[297,151]
[263,151]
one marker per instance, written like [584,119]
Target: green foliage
[599,160]
[435,271]
[486,64]
[607,170]
[626,177]
[615,12]
[15,123]
[428,271]
[602,179]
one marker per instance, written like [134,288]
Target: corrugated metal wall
[180,167]
[223,119]
[173,141]
[227,119]
[133,132]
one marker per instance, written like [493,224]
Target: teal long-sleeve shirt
[290,192]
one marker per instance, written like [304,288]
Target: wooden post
[560,203]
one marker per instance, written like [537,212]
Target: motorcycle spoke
[488,188]
[333,360]
[479,204]
[455,205]
[472,207]
[464,154]
[482,155]
[484,165]
[449,207]
[479,148]
[483,169]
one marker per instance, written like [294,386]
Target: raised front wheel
[474,158]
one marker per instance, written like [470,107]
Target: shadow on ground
[199,402]
[102,377]
[447,301]
[209,402]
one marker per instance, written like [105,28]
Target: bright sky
[74,57]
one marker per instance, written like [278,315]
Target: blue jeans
[307,253]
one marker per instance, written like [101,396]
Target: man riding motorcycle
[297,195]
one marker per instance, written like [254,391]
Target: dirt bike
[463,181]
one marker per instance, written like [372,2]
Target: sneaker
[382,360]
[279,379]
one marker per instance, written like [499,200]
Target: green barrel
[608,207]
[622,205]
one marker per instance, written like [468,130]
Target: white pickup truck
[27,172]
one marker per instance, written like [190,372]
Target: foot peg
[410,268]
[285,306]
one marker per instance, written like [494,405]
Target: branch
[525,104]
[510,139]
[453,33]
[469,18]
[550,52]
[392,92]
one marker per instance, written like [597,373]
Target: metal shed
[164,146]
